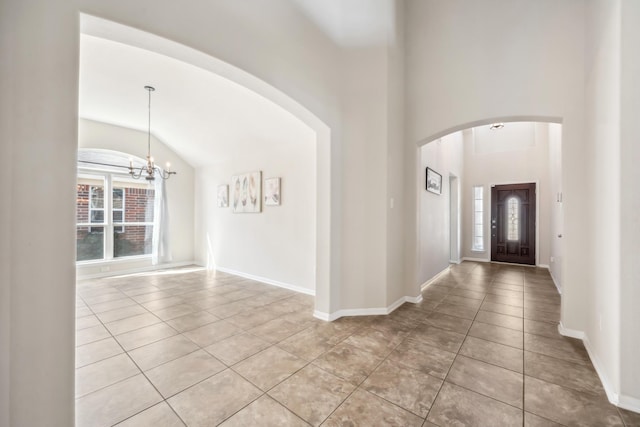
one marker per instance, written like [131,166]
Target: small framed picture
[272,192]
[223,196]
[434,181]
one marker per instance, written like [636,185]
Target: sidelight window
[478,218]
[513,220]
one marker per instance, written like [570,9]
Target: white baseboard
[453,261]
[295,288]
[379,311]
[629,403]
[136,270]
[434,278]
[571,333]
[466,258]
[555,282]
[543,266]
[615,398]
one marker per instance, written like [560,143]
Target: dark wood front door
[513,223]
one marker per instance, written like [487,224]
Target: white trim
[611,394]
[430,281]
[130,270]
[629,403]
[378,311]
[466,258]
[571,333]
[453,261]
[295,288]
[555,282]
[543,266]
[625,402]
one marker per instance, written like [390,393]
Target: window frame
[475,214]
[108,224]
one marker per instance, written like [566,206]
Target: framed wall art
[246,190]
[434,181]
[223,196]
[272,192]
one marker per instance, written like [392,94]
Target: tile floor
[183,347]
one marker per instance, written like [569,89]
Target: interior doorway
[513,223]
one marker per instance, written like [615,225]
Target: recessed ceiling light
[496,126]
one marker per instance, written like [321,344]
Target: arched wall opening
[527,150]
[110,30]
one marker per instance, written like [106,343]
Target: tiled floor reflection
[183,347]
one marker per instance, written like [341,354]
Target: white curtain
[161,251]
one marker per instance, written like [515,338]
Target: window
[118,209]
[114,216]
[513,229]
[478,218]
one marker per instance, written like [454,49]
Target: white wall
[630,205]
[180,189]
[462,70]
[556,220]
[445,156]
[39,139]
[276,245]
[518,153]
[602,291]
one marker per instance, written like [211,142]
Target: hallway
[183,347]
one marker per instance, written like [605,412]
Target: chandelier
[150,170]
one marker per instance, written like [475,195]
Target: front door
[513,223]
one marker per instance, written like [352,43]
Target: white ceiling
[203,117]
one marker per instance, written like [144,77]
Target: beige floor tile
[449,323]
[568,349]
[498,319]
[312,393]
[112,305]
[176,311]
[159,352]
[264,412]
[565,406]
[86,322]
[252,318]
[545,329]
[494,353]
[104,373]
[497,334]
[159,304]
[97,351]
[192,321]
[116,403]
[121,313]
[212,332]
[631,419]
[461,407]
[308,344]
[236,348]
[408,388]
[456,310]
[509,310]
[375,341]
[577,376]
[421,356]
[160,415]
[439,338]
[348,362]
[276,330]
[92,334]
[490,380]
[269,367]
[531,420]
[215,399]
[365,409]
[131,323]
[178,374]
[144,336]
